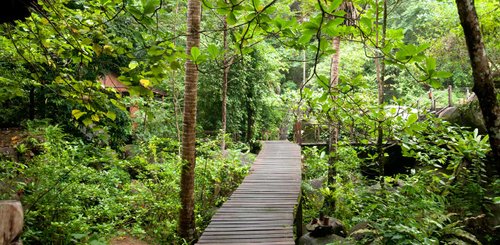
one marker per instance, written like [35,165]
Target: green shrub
[75,192]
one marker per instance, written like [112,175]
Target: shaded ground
[126,240]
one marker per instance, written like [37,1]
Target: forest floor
[126,240]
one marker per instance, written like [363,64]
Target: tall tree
[380,70]
[226,65]
[483,80]
[333,124]
[350,18]
[186,215]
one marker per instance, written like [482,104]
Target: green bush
[75,192]
[428,206]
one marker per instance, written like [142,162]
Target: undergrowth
[434,204]
[79,193]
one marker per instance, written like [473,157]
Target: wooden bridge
[261,210]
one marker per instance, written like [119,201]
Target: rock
[325,227]
[361,231]
[468,115]
[307,239]
[338,228]
[447,112]
[11,222]
[318,183]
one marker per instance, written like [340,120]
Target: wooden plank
[261,210]
[261,236]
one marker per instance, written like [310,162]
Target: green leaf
[174,65]
[87,121]
[366,22]
[213,50]
[231,19]
[195,53]
[111,115]
[496,200]
[435,83]
[442,74]
[412,118]
[95,117]
[78,236]
[77,113]
[149,7]
[334,5]
[145,82]
[256,3]
[431,64]
[134,91]
[133,64]
[305,38]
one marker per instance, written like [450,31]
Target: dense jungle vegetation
[138,118]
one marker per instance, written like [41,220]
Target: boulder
[362,231]
[326,226]
[308,239]
[468,115]
[11,222]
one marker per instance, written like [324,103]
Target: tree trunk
[175,95]
[483,80]
[226,67]
[333,127]
[380,69]
[32,103]
[175,101]
[250,115]
[186,214]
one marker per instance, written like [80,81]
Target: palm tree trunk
[483,80]
[186,214]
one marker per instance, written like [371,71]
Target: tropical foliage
[99,100]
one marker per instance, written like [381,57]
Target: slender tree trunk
[333,127]
[175,95]
[250,113]
[226,67]
[483,80]
[186,214]
[334,124]
[32,103]
[380,69]
[175,101]
[297,128]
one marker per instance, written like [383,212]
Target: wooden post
[11,222]
[298,132]
[450,104]
[433,101]
[418,108]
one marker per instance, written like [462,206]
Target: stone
[11,222]
[307,239]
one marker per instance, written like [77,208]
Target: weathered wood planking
[261,209]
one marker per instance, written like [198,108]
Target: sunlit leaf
[133,64]
[77,113]
[145,82]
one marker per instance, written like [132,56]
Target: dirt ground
[126,240]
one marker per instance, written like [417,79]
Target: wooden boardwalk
[261,210]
